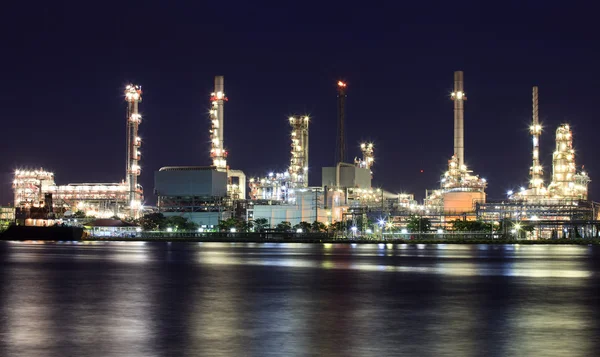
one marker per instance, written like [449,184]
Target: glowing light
[517,226]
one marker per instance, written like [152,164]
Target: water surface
[222,299]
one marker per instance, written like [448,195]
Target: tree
[153,222]
[261,224]
[319,227]
[78,214]
[470,226]
[243,226]
[419,224]
[305,226]
[284,226]
[227,224]
[338,226]
[179,223]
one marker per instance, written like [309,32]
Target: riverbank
[351,241]
[53,234]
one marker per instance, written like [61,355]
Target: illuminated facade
[368,156]
[36,188]
[217,101]
[460,190]
[299,161]
[133,96]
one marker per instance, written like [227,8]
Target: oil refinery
[207,195]
[38,196]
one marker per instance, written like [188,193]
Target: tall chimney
[220,90]
[217,99]
[341,118]
[458,96]
[536,182]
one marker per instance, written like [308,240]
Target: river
[238,299]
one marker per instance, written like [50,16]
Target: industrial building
[208,194]
[7,217]
[562,208]
[459,189]
[287,197]
[203,195]
[196,193]
[311,204]
[36,188]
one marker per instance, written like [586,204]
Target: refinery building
[38,198]
[209,194]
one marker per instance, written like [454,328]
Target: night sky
[65,65]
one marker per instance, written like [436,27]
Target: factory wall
[462,201]
[193,181]
[350,176]
[207,219]
[303,210]
[291,213]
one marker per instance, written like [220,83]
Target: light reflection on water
[222,299]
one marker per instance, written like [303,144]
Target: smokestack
[133,96]
[458,96]
[220,88]
[536,173]
[218,99]
[341,118]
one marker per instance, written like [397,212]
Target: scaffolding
[298,170]
[29,185]
[217,100]
[550,218]
[366,162]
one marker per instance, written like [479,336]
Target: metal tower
[458,96]
[133,96]
[536,184]
[217,99]
[299,161]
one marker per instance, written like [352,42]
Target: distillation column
[563,163]
[368,156]
[133,96]
[537,182]
[217,99]
[458,96]
[299,161]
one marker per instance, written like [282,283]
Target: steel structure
[458,178]
[133,96]
[566,181]
[368,157]
[341,89]
[28,187]
[536,183]
[101,200]
[550,218]
[217,99]
[273,187]
[298,169]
